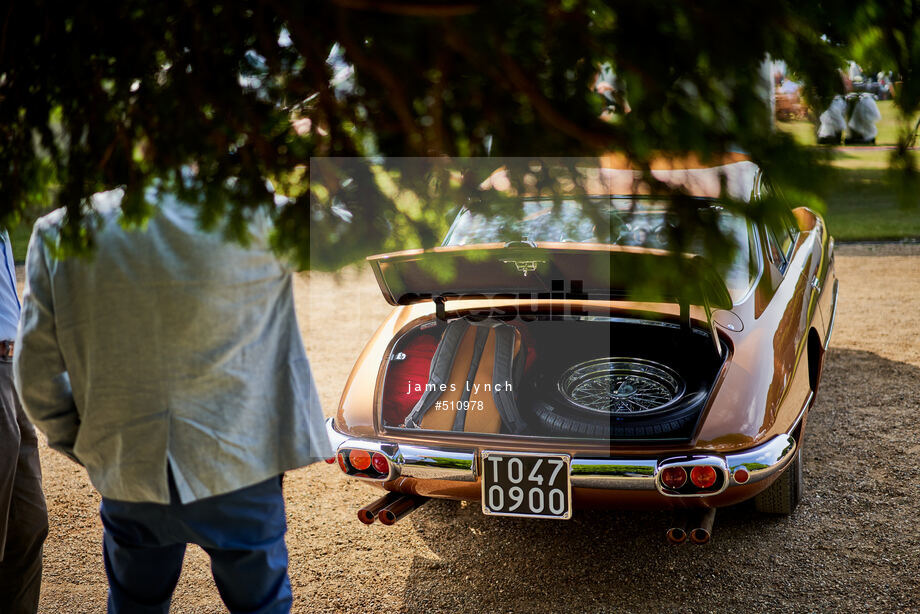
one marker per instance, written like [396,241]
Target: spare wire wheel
[621,386]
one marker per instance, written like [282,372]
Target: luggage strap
[441,364]
[482,335]
[502,376]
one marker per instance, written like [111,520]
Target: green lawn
[862,204]
[862,200]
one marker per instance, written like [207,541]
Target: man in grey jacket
[170,365]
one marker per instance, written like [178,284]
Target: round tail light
[703,476]
[330,460]
[342,464]
[359,459]
[741,475]
[674,477]
[380,463]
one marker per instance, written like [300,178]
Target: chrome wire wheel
[621,386]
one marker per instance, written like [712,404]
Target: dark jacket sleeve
[38,367]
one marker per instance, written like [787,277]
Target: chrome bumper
[459,465]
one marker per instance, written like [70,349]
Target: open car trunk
[576,377]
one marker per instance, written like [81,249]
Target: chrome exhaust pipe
[368,513]
[703,532]
[677,534]
[399,508]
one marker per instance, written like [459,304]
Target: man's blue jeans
[242,532]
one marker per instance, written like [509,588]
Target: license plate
[525,484]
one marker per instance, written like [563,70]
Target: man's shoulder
[103,218]
[105,204]
[50,223]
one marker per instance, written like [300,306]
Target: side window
[793,229]
[775,248]
[786,242]
[781,234]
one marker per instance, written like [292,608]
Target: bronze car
[540,374]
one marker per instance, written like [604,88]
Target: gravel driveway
[852,546]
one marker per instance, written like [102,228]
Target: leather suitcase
[472,381]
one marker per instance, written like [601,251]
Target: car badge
[525,266]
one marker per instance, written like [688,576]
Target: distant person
[608,85]
[854,71]
[885,86]
[862,129]
[833,122]
[23,516]
[790,87]
[171,366]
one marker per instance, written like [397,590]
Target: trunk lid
[549,270]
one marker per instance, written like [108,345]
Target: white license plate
[526,484]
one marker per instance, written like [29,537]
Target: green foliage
[242,93]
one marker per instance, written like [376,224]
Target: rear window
[608,220]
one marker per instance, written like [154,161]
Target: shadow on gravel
[852,545]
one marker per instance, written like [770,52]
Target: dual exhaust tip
[393,506]
[701,532]
[390,508]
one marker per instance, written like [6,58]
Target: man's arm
[38,367]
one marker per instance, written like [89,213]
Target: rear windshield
[609,220]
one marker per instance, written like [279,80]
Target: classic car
[534,369]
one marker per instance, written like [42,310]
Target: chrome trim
[689,462]
[436,464]
[612,474]
[805,407]
[830,328]
[459,465]
[336,439]
[763,461]
[387,449]
[756,252]
[411,461]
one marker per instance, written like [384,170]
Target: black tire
[560,413]
[560,418]
[783,495]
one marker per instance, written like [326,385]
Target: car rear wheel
[783,495]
